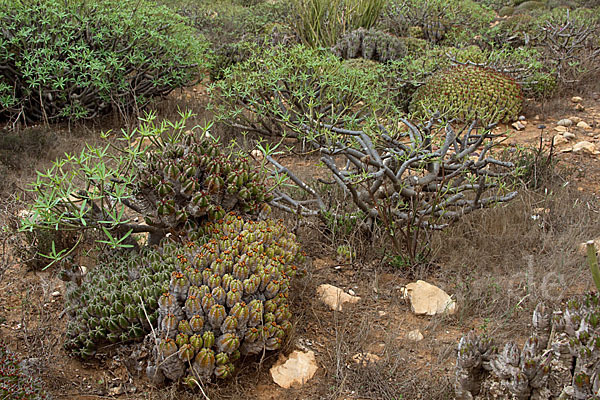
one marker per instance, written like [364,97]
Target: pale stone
[575,119]
[518,125]
[365,358]
[569,135]
[257,155]
[586,147]
[428,299]
[576,99]
[55,293]
[582,248]
[565,122]
[415,335]
[583,125]
[560,128]
[335,297]
[296,370]
[559,139]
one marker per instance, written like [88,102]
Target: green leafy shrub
[438,21]
[371,45]
[78,60]
[16,383]
[227,297]
[116,301]
[235,31]
[168,177]
[320,23]
[285,90]
[468,93]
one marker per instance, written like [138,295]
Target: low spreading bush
[77,60]
[285,90]
[235,31]
[171,178]
[438,21]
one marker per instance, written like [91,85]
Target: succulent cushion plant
[227,296]
[467,93]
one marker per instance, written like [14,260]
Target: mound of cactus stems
[560,360]
[115,302]
[227,296]
[14,382]
[192,179]
[370,44]
[467,92]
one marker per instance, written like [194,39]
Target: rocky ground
[361,328]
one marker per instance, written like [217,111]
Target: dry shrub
[507,259]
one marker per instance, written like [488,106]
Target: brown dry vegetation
[498,263]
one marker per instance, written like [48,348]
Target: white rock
[55,293]
[560,128]
[415,335]
[559,139]
[365,358]
[576,99]
[296,370]
[522,118]
[586,147]
[428,299]
[565,122]
[575,119]
[335,297]
[518,125]
[257,155]
[582,248]
[583,125]
[569,135]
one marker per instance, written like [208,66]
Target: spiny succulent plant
[14,382]
[370,44]
[466,93]
[227,296]
[561,359]
[191,178]
[111,303]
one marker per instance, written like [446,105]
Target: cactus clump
[227,297]
[16,383]
[106,306]
[190,178]
[467,92]
[371,45]
[561,359]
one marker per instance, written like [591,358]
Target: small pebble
[55,294]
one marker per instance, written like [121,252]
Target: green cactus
[190,178]
[15,383]
[560,360]
[467,93]
[241,303]
[107,305]
[371,45]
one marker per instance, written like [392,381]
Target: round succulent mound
[228,296]
[14,382]
[191,178]
[467,93]
[106,307]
